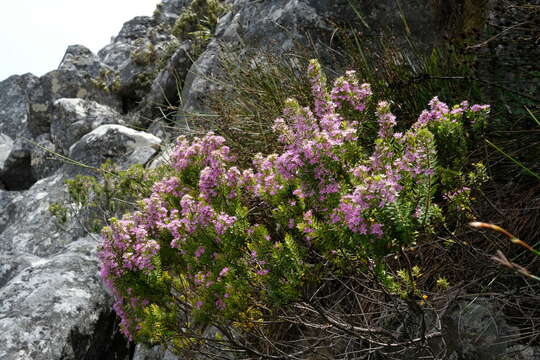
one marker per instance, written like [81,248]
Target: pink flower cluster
[132,243]
[209,149]
[439,111]
[312,177]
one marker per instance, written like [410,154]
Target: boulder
[15,102]
[56,308]
[59,84]
[122,145]
[74,118]
[80,59]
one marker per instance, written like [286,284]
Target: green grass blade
[517,162]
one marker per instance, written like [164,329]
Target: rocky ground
[108,105]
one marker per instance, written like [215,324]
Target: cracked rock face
[254,25]
[52,302]
[133,55]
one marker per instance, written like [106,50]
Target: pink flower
[223,272]
[200,250]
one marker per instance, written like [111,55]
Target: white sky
[34,34]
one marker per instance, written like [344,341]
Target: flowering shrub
[215,244]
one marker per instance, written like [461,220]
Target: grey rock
[251,25]
[164,94]
[283,26]
[387,16]
[43,158]
[74,118]
[81,59]
[163,158]
[31,228]
[154,353]
[7,209]
[16,172]
[6,145]
[522,352]
[11,265]
[52,302]
[15,103]
[52,308]
[133,55]
[122,145]
[136,28]
[168,11]
[163,130]
[63,84]
[475,330]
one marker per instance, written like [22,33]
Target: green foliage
[144,52]
[107,80]
[404,283]
[59,211]
[197,22]
[168,52]
[114,192]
